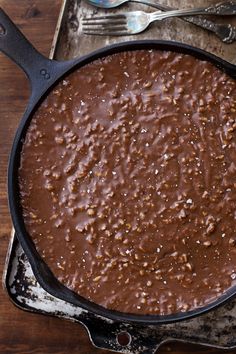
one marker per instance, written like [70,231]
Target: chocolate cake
[128,182]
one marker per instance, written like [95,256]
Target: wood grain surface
[22,332]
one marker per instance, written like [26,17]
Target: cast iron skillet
[43,74]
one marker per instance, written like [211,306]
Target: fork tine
[106,33]
[100,23]
[90,30]
[108,26]
[105,17]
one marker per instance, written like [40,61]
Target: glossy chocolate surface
[128,182]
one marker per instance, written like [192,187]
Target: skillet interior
[42,272]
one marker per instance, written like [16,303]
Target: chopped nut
[182,214]
[147,84]
[142,215]
[189,266]
[207,243]
[180,276]
[183,258]
[210,228]
[67,238]
[232,242]
[90,212]
[96,279]
[49,186]
[59,140]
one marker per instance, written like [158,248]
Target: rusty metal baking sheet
[215,329]
[72,42]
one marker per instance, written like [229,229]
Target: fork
[135,22]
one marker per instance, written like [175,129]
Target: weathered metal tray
[71,42]
[215,329]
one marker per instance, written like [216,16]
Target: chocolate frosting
[128,182]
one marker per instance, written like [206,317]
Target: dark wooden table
[22,332]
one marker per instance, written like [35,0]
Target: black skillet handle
[42,72]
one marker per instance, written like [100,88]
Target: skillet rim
[41,271]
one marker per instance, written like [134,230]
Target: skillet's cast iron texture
[43,74]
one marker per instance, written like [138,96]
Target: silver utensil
[225,32]
[134,22]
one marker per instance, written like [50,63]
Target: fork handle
[225,32]
[225,8]
[222,9]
